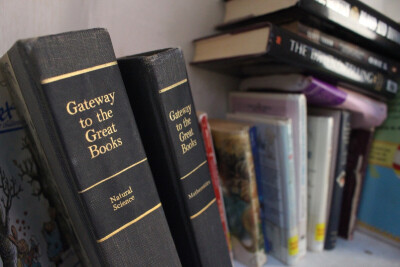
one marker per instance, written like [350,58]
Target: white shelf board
[363,251]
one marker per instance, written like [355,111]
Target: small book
[319,132]
[267,49]
[352,20]
[276,184]
[356,167]
[158,88]
[379,212]
[33,230]
[365,111]
[69,90]
[215,179]
[234,144]
[337,175]
[291,106]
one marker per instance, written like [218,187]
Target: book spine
[319,153]
[288,47]
[339,182]
[212,165]
[234,152]
[72,96]
[377,31]
[157,84]
[363,56]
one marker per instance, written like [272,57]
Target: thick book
[356,166]
[234,146]
[340,140]
[292,106]
[365,111]
[212,165]
[31,228]
[276,184]
[352,20]
[379,212]
[69,90]
[158,88]
[349,49]
[319,133]
[267,49]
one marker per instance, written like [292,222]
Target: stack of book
[316,78]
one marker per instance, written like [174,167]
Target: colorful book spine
[212,165]
[291,106]
[319,134]
[236,166]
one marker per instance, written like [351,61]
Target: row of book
[102,162]
[322,74]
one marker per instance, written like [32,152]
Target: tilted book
[352,20]
[356,167]
[267,49]
[379,212]
[292,106]
[31,227]
[320,130]
[276,184]
[212,165]
[159,90]
[365,111]
[69,90]
[234,144]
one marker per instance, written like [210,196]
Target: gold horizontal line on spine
[195,169]
[78,72]
[203,209]
[172,86]
[129,223]
[112,176]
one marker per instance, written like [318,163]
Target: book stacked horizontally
[316,78]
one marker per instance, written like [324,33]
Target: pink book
[292,106]
[366,112]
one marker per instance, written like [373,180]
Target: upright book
[320,130]
[234,146]
[69,90]
[159,90]
[32,233]
[379,212]
[276,184]
[292,106]
[267,49]
[350,19]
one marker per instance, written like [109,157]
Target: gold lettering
[71,110]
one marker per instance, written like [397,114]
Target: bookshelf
[137,26]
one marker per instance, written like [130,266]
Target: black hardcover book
[350,50]
[351,20]
[339,182]
[69,90]
[266,49]
[160,94]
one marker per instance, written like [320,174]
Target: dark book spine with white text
[159,90]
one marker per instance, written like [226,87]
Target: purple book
[366,112]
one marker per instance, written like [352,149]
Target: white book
[291,106]
[320,130]
[276,183]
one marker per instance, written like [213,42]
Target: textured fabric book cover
[233,147]
[291,106]
[276,184]
[379,206]
[159,90]
[30,232]
[69,90]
